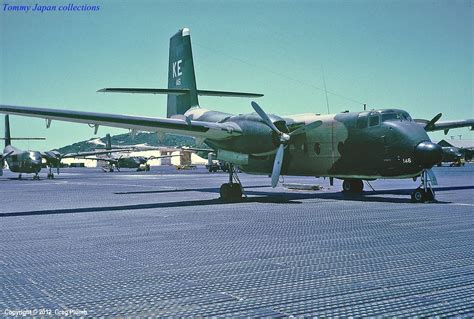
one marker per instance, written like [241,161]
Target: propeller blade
[433,121]
[265,117]
[277,165]
[306,128]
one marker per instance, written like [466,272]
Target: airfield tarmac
[161,243]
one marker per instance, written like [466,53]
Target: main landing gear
[36,176]
[424,193]
[233,190]
[50,173]
[352,186]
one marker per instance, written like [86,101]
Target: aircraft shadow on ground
[255,197]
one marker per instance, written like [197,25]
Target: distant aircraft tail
[8,139]
[108,142]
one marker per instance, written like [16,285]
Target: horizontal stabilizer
[25,138]
[227,94]
[145,91]
[179,92]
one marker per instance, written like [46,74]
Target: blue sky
[415,55]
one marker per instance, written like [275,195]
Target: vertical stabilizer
[108,142]
[181,74]
[8,140]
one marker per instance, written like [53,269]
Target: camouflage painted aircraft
[30,162]
[352,146]
[451,155]
[115,162]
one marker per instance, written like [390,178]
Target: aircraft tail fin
[181,74]
[182,89]
[8,140]
[108,142]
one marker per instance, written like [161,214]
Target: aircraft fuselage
[362,145]
[28,162]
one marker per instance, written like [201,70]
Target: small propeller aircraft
[117,161]
[30,162]
[351,146]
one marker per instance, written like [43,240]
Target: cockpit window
[405,116]
[362,120]
[390,117]
[374,120]
[395,115]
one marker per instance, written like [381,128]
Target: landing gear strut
[233,190]
[424,193]
[50,173]
[352,186]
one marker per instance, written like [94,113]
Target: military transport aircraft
[352,146]
[30,162]
[117,161]
[451,155]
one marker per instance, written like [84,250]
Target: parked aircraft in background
[117,161]
[351,146]
[30,162]
[452,155]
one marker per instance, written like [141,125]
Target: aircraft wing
[104,159]
[4,156]
[92,153]
[435,125]
[179,126]
[447,125]
[162,156]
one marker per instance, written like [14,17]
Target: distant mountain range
[150,139]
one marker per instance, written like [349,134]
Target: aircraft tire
[225,191]
[430,195]
[419,195]
[230,192]
[236,191]
[352,186]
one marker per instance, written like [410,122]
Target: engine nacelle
[257,137]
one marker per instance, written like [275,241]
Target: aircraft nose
[428,154]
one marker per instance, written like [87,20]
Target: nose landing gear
[50,173]
[425,192]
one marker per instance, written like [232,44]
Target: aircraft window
[374,120]
[390,117]
[317,148]
[405,116]
[362,122]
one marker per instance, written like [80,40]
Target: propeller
[285,139]
[431,123]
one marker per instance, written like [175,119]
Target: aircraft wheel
[230,192]
[225,191]
[236,191]
[419,195]
[430,195]
[353,186]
